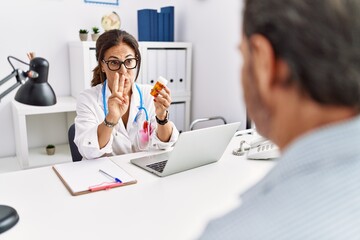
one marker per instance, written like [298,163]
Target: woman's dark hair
[108,40]
[319,40]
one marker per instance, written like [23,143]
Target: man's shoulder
[321,203]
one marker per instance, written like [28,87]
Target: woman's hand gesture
[118,102]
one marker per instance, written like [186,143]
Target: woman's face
[121,59]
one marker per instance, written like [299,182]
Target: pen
[108,175]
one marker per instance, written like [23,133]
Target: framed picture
[106,2]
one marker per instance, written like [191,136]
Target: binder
[171,69]
[154,25]
[147,25]
[181,71]
[177,115]
[85,176]
[180,113]
[144,25]
[166,27]
[169,22]
[152,74]
[161,64]
[161,30]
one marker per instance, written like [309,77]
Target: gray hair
[319,40]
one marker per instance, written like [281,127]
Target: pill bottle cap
[162,80]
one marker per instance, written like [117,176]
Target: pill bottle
[159,85]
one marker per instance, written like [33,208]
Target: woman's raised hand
[162,102]
[118,102]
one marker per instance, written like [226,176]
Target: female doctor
[117,115]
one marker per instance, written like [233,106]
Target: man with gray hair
[301,82]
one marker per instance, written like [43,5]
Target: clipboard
[84,176]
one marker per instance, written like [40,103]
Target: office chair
[76,156]
[206,122]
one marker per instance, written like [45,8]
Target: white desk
[175,207]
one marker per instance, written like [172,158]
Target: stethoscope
[145,131]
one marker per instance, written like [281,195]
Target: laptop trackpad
[143,161]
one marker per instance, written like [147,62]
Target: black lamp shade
[8,218]
[37,91]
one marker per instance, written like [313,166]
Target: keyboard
[158,166]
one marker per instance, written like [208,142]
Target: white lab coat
[90,113]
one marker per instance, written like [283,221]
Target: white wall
[212,26]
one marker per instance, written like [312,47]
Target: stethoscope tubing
[141,107]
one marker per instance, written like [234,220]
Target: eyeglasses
[115,65]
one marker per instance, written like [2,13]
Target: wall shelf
[34,157]
[38,156]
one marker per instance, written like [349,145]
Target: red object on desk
[104,186]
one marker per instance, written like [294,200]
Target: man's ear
[269,71]
[263,63]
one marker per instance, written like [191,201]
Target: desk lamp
[35,90]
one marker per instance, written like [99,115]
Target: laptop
[192,149]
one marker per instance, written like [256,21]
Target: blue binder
[161,30]
[144,25]
[169,22]
[166,27]
[154,25]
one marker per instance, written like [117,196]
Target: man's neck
[298,119]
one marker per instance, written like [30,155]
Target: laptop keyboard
[158,166]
